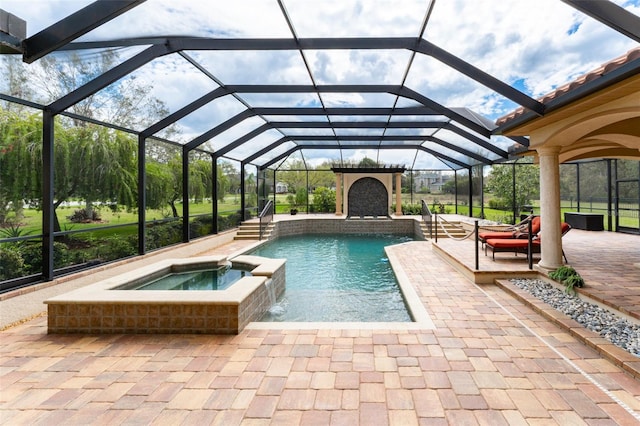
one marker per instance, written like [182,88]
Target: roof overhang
[603,124]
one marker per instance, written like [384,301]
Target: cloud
[533,46]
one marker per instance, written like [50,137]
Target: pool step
[251,231]
[453,230]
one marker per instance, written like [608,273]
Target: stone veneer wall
[142,318]
[254,307]
[405,226]
[368,197]
[417,231]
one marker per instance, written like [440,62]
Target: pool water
[337,278]
[204,279]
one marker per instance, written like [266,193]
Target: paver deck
[490,360]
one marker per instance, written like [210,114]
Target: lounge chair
[516,245]
[521,230]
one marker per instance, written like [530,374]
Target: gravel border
[619,331]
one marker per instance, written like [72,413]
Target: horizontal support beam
[421,148]
[611,15]
[108,77]
[74,26]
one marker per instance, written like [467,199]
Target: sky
[534,46]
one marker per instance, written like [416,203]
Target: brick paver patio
[490,360]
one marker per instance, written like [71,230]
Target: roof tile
[592,75]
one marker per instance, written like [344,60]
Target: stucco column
[338,194]
[550,220]
[398,194]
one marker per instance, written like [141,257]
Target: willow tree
[91,163]
[223,183]
[160,185]
[164,182]
[20,139]
[95,164]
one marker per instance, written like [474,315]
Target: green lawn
[32,221]
[31,224]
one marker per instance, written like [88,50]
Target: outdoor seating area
[519,230]
[520,244]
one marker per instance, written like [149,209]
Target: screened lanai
[268,86]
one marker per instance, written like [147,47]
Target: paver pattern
[491,360]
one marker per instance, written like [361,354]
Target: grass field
[31,224]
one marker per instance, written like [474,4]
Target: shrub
[163,234]
[500,218]
[200,226]
[324,200]
[84,215]
[409,209]
[299,199]
[117,247]
[11,264]
[13,230]
[229,221]
[569,277]
[498,204]
[32,257]
[438,207]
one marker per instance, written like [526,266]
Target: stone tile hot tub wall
[403,226]
[99,309]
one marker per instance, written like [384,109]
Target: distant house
[281,188]
[430,182]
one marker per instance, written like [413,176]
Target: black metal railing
[266,216]
[427,217]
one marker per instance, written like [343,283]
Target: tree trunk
[174,209]
[56,222]
[89,209]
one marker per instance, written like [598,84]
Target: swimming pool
[337,278]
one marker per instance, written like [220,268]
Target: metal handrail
[266,216]
[426,217]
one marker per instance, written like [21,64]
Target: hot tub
[105,307]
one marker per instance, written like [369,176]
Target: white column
[550,219]
[398,194]
[338,194]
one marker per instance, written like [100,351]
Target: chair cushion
[535,225]
[509,243]
[564,228]
[496,234]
